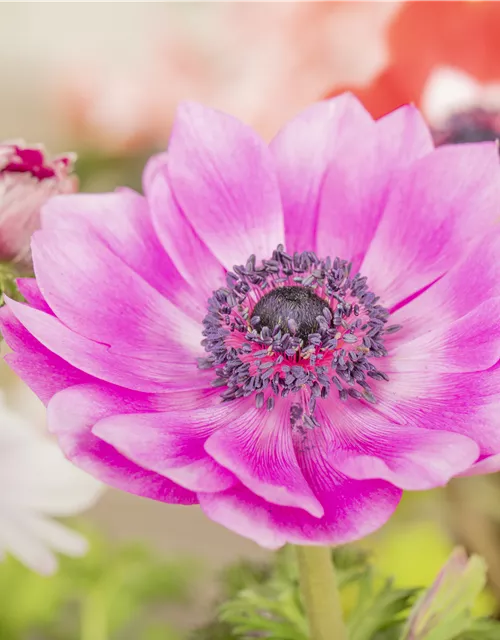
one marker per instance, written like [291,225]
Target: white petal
[36,481]
[18,539]
[447,91]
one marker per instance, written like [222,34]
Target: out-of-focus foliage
[445,609]
[8,286]
[117,592]
[99,173]
[264,602]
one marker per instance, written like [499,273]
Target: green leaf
[378,609]
[108,594]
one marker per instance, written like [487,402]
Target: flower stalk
[320,594]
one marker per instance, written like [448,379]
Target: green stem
[320,594]
[93,616]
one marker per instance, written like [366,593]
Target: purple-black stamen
[295,325]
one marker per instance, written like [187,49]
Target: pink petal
[72,413]
[353,509]
[171,444]
[191,257]
[223,178]
[366,446]
[122,222]
[134,372]
[403,137]
[411,458]
[258,448]
[29,289]
[43,371]
[367,161]
[466,403]
[351,198]
[490,464]
[474,280]
[434,210]
[157,165]
[98,296]
[303,151]
[471,343]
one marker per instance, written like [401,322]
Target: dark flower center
[476,125]
[295,325]
[293,309]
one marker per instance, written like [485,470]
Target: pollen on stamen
[295,327]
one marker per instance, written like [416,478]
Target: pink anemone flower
[289,335]
[28,178]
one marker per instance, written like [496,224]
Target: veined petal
[224,180]
[191,256]
[73,412]
[171,443]
[369,158]
[122,310]
[96,359]
[353,509]
[258,449]
[366,446]
[433,212]
[121,221]
[303,151]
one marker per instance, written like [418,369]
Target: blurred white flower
[36,484]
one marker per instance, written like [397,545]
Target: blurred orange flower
[262,62]
[445,58]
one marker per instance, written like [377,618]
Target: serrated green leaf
[379,610]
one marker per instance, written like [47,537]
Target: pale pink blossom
[28,178]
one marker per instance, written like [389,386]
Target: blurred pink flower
[293,395]
[27,180]
[263,62]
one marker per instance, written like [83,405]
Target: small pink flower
[27,180]
[351,353]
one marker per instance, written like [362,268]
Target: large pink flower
[351,353]
[28,178]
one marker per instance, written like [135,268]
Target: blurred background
[103,79]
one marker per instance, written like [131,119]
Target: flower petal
[434,210]
[71,415]
[403,137]
[359,179]
[122,222]
[466,403]
[43,371]
[97,359]
[471,343]
[303,151]
[490,464]
[192,258]
[363,445]
[29,289]
[97,295]
[472,281]
[258,448]
[171,443]
[223,177]
[353,509]
[18,538]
